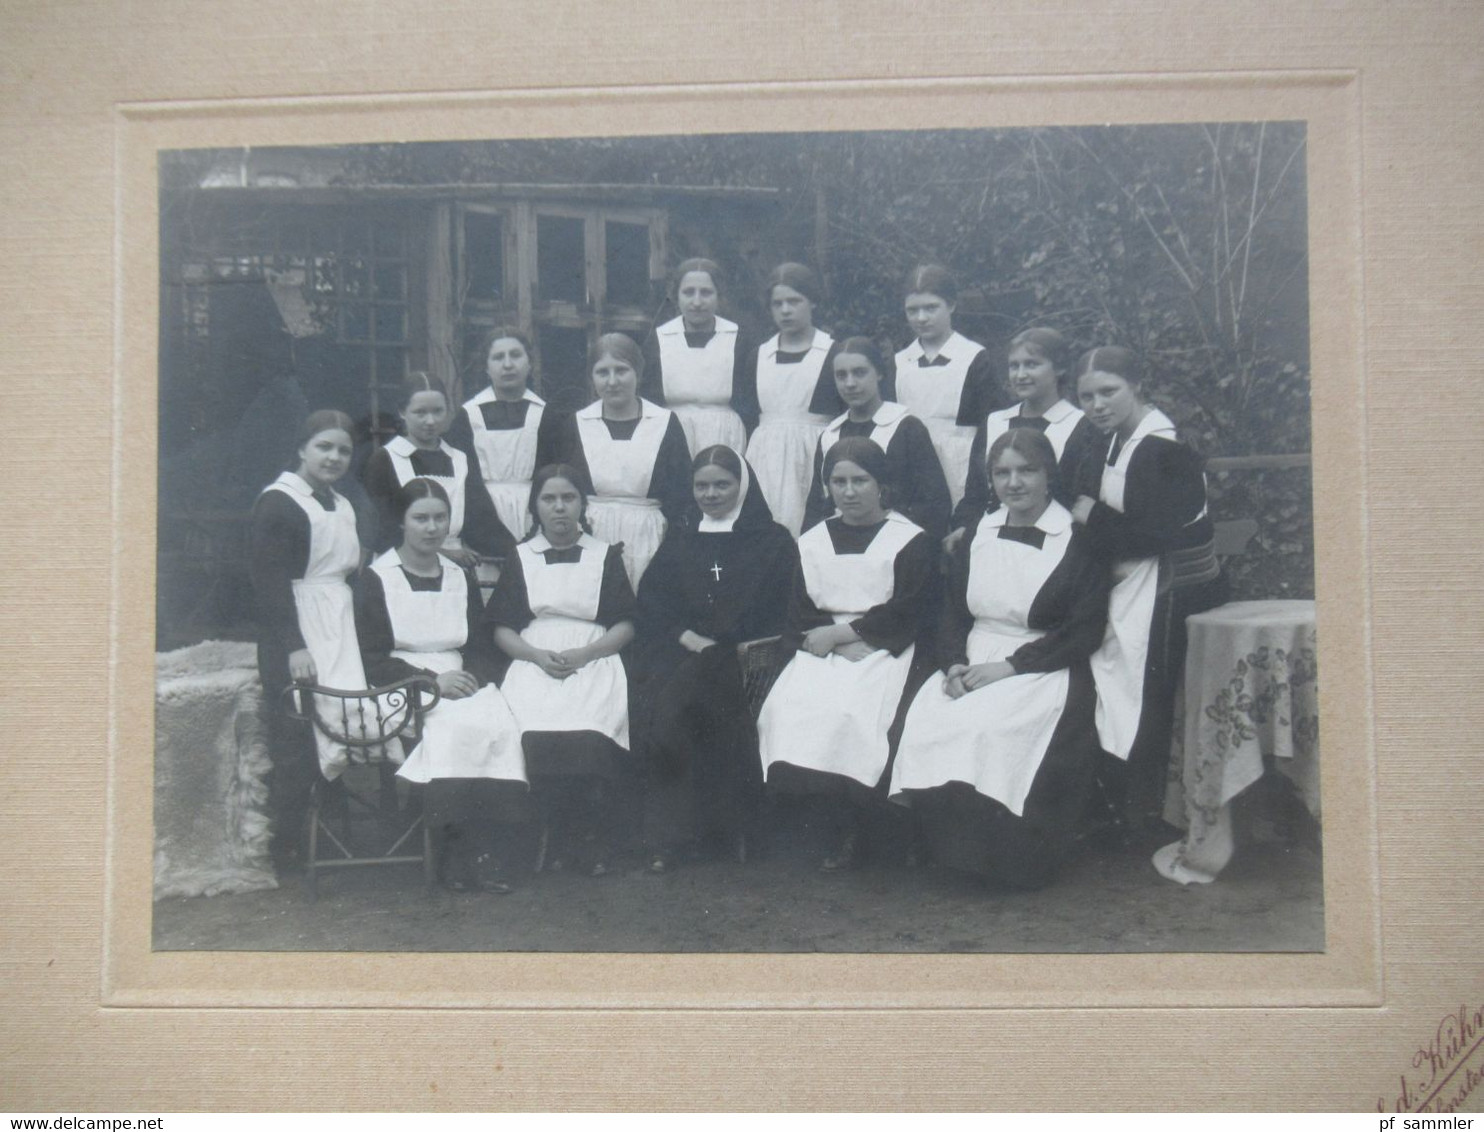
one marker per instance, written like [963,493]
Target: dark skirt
[1149,758]
[969,831]
[700,742]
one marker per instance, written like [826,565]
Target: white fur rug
[211,767]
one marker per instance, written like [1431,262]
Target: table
[1251,689]
[211,771]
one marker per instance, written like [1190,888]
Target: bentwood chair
[347,826]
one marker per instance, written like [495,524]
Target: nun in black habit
[721,577]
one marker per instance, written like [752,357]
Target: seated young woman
[562,610]
[997,756]
[919,491]
[720,578]
[865,590]
[304,548]
[417,613]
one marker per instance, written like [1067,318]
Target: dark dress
[1002,777]
[1072,437]
[473,524]
[1159,533]
[690,712]
[918,489]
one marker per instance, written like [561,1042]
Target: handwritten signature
[1445,1070]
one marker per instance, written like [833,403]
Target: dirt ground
[1270,898]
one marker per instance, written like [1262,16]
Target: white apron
[400,449]
[698,385]
[1061,420]
[475,737]
[1119,663]
[326,614]
[781,450]
[507,459]
[621,509]
[828,713]
[933,395]
[996,737]
[564,605]
[884,424]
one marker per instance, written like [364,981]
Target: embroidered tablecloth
[1251,689]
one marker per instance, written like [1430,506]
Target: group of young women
[979,589]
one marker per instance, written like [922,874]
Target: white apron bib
[781,450]
[1118,665]
[884,426]
[564,604]
[507,459]
[1061,419]
[996,737]
[698,385]
[401,449]
[621,510]
[828,713]
[933,395]
[326,614]
[474,737]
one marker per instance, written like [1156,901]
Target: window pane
[355,278]
[627,263]
[391,324]
[564,379]
[561,259]
[391,280]
[355,322]
[389,240]
[484,256]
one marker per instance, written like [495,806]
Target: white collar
[1055,520]
[822,341]
[888,412]
[401,446]
[1060,411]
[1155,423]
[647,410]
[541,544]
[727,521]
[951,348]
[486,395]
[677,326]
[298,484]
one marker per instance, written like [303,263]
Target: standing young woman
[795,392]
[864,592]
[562,610]
[633,453]
[720,578]
[918,489]
[419,614]
[506,428]
[304,547]
[997,756]
[1037,365]
[700,366]
[473,527]
[943,378]
[1143,506]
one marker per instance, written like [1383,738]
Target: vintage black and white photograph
[868,542]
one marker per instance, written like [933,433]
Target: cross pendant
[716,570]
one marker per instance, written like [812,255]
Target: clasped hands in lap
[961,679]
[841,640]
